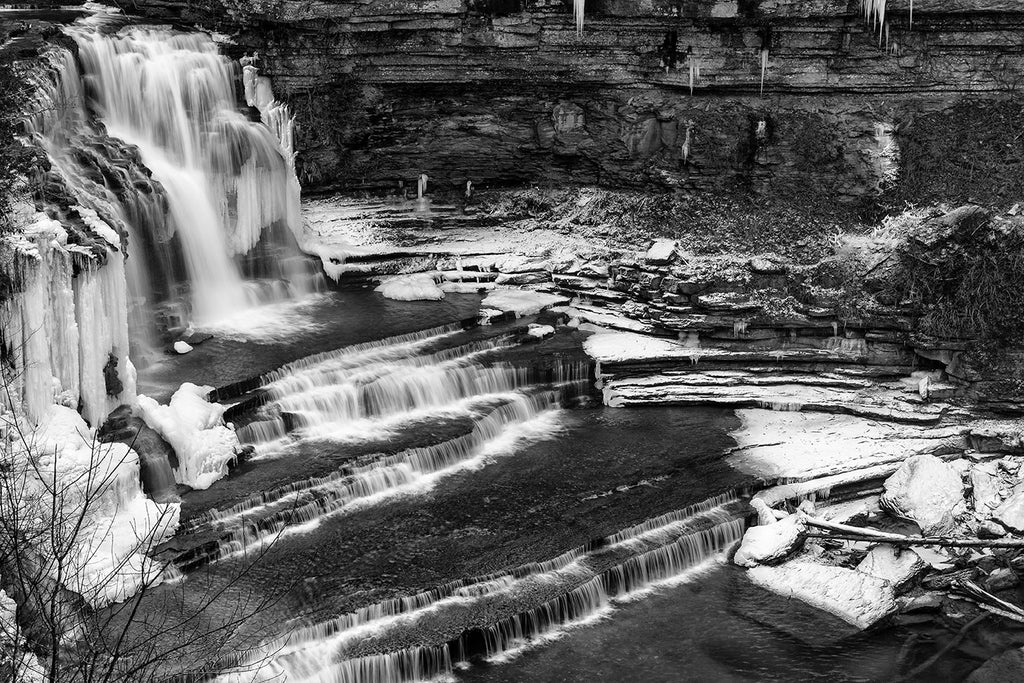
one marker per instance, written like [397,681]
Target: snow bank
[418,287]
[195,428]
[100,482]
[521,301]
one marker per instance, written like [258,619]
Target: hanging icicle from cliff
[578,7]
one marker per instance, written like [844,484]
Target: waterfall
[189,181]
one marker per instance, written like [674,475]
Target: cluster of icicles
[529,601]
[364,389]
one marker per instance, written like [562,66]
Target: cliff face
[654,93]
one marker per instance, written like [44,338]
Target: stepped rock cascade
[493,616]
[366,391]
[216,204]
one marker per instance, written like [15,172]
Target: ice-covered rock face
[769,543]
[927,491]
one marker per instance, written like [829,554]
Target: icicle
[764,66]
[687,141]
[694,63]
[578,7]
[421,186]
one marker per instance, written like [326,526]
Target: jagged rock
[927,491]
[1011,512]
[986,487]
[1005,668]
[855,597]
[1001,579]
[895,566]
[661,252]
[769,543]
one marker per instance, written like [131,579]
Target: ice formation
[66,334]
[61,467]
[195,428]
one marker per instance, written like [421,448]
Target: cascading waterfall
[225,183]
[577,586]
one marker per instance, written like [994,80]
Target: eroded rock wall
[506,92]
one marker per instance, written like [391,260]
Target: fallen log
[853,533]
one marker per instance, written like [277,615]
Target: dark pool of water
[327,322]
[719,627]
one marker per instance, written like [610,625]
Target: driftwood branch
[853,533]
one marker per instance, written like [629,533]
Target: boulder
[182,347]
[769,543]
[855,597]
[1005,668]
[661,252]
[925,490]
[895,566]
[1011,512]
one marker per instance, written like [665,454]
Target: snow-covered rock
[895,566]
[661,252]
[925,490]
[195,428]
[540,331]
[1011,512]
[182,347]
[521,302]
[855,597]
[768,543]
[417,287]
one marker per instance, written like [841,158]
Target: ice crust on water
[195,428]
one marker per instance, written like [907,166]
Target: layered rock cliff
[654,93]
